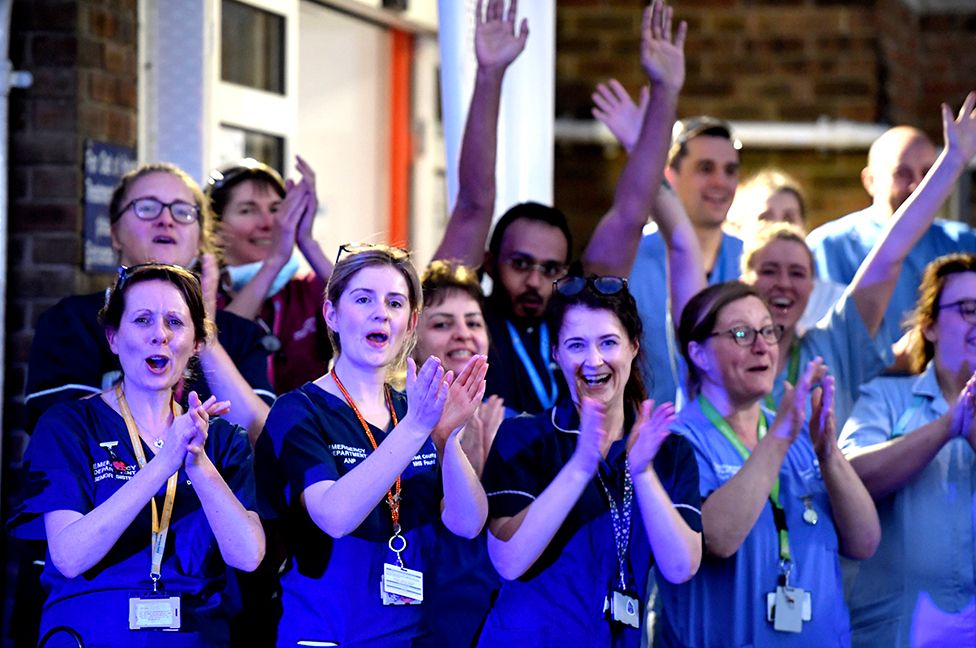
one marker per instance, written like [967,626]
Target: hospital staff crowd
[713,428]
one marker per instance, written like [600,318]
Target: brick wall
[778,60]
[83,58]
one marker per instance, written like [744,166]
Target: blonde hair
[752,194]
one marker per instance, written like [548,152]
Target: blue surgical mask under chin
[241,275]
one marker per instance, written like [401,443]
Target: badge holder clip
[399,585]
[788,607]
[155,610]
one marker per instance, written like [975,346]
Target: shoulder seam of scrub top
[511,492]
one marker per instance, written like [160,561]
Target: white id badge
[154,612]
[401,586]
[787,608]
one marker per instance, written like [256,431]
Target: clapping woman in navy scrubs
[113,477]
[586,497]
[349,465]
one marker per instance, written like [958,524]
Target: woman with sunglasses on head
[260,220]
[778,503]
[779,265]
[142,502]
[158,215]
[911,440]
[586,497]
[350,468]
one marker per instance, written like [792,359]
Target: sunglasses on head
[574,285]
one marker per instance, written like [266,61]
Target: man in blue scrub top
[897,162]
[703,170]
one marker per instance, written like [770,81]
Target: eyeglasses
[526,264]
[572,286]
[966,308]
[745,336]
[148,209]
[395,253]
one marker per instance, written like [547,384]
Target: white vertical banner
[525,127]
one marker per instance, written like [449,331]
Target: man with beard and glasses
[897,162]
[531,245]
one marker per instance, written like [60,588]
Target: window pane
[252,47]
[235,143]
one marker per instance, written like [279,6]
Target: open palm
[496,43]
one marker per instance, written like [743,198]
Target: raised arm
[497,45]
[677,549]
[875,280]
[307,245]
[339,506]
[516,542]
[613,246]
[886,467]
[855,517]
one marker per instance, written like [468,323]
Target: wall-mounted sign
[104,166]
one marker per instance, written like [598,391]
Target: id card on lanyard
[158,609]
[398,585]
[787,607]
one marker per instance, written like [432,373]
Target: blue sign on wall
[105,164]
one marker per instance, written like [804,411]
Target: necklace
[158,442]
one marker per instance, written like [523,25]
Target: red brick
[55,182]
[45,148]
[54,115]
[53,49]
[45,218]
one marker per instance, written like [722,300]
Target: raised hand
[311,202]
[960,132]
[663,56]
[614,107]
[198,426]
[284,229]
[496,43]
[426,392]
[592,444]
[649,432]
[463,396]
[823,427]
[963,412]
[480,430]
[792,408]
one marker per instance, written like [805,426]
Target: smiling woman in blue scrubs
[586,496]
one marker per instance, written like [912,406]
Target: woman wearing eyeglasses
[911,440]
[779,503]
[349,468]
[261,219]
[159,215]
[143,503]
[585,497]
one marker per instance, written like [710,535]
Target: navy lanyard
[534,377]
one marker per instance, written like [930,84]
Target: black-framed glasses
[394,252]
[745,336]
[524,264]
[966,308]
[148,209]
[574,285]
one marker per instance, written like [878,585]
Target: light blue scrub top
[919,588]
[663,366]
[725,603]
[840,246]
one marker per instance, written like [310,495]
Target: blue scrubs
[331,586]
[840,246]
[725,603]
[663,366]
[70,357]
[559,600]
[919,588]
[79,456]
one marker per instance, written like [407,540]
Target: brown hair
[920,350]
[208,243]
[110,316]
[699,317]
[358,257]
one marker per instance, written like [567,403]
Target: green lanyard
[792,372]
[779,515]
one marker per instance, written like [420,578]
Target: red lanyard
[393,499]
